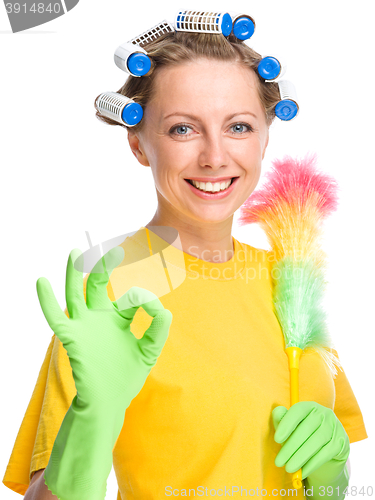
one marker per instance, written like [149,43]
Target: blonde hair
[176,47]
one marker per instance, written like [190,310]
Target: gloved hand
[314,440]
[109,366]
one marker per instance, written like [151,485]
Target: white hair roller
[153,33]
[132,58]
[287,108]
[119,108]
[203,22]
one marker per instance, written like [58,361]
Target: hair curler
[243,25]
[132,58]
[153,34]
[119,108]
[271,68]
[203,22]
[287,108]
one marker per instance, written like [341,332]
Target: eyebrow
[187,115]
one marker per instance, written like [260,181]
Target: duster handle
[294,354]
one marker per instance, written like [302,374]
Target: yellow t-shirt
[203,417]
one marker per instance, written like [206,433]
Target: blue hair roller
[119,108]
[270,68]
[243,26]
[132,58]
[287,108]
[139,64]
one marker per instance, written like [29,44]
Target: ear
[137,148]
[266,143]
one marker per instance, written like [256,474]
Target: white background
[63,172]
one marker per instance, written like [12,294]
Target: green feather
[298,288]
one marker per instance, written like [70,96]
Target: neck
[208,241]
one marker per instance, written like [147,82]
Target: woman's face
[205,123]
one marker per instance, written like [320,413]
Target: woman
[203,423]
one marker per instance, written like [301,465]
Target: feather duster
[291,207]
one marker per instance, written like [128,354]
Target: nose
[213,153]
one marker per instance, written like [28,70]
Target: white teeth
[209,186]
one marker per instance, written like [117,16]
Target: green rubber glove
[314,440]
[110,366]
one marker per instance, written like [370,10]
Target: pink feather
[292,181]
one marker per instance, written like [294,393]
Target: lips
[210,179]
[213,196]
[226,183]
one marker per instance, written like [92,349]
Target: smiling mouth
[211,187]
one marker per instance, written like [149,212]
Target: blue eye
[239,127]
[182,128]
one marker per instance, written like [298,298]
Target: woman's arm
[38,489]
[109,366]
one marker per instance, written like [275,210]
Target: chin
[212,218]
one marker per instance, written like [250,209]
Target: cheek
[159,162]
[251,161]
[162,173]
[253,176]
[172,159]
[251,181]
[249,155]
